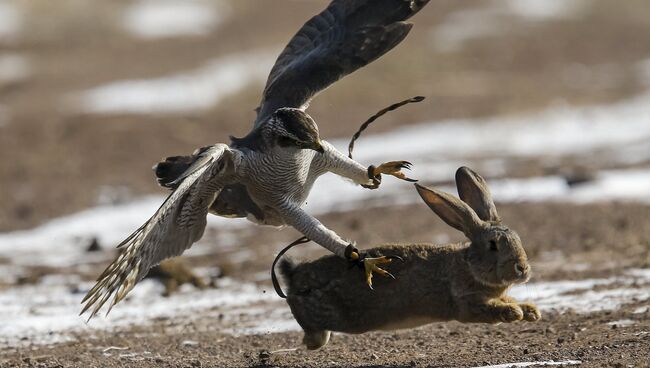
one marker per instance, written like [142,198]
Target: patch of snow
[549,363]
[62,242]
[545,9]
[554,132]
[193,90]
[585,296]
[468,24]
[493,18]
[48,312]
[13,68]
[170,18]
[619,185]
[10,20]
[641,310]
[615,185]
[622,323]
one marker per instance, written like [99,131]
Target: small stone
[560,340]
[264,355]
[614,326]
[374,356]
[525,351]
[93,245]
[550,330]
[190,343]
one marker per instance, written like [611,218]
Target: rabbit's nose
[521,269]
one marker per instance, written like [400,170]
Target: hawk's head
[292,127]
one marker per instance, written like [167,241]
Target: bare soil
[56,160]
[611,238]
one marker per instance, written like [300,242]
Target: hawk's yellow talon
[370,266]
[394,168]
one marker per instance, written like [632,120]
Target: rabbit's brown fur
[464,282]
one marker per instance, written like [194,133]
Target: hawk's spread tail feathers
[176,225]
[172,168]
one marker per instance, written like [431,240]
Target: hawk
[267,175]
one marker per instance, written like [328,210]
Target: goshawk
[267,175]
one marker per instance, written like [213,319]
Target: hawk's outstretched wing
[175,226]
[346,36]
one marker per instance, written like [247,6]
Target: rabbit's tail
[287,266]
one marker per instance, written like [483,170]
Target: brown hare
[465,282]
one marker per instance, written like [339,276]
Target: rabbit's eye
[493,245]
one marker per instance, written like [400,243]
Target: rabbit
[466,282]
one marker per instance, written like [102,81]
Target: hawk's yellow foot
[370,265]
[394,168]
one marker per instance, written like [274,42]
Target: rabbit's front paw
[511,313]
[531,313]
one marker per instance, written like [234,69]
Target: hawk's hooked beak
[317,146]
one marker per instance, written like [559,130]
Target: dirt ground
[57,160]
[586,338]
[592,338]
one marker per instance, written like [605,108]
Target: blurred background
[549,100]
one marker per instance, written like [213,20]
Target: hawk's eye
[493,246]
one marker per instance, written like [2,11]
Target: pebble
[264,354]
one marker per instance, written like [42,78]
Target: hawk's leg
[369,177]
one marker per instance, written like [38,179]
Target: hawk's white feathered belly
[280,178]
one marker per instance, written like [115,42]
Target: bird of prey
[267,175]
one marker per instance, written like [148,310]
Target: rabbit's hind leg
[316,339]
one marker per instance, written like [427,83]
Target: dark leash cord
[304,239]
[274,278]
[381,112]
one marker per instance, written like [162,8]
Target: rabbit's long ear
[474,191]
[451,210]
